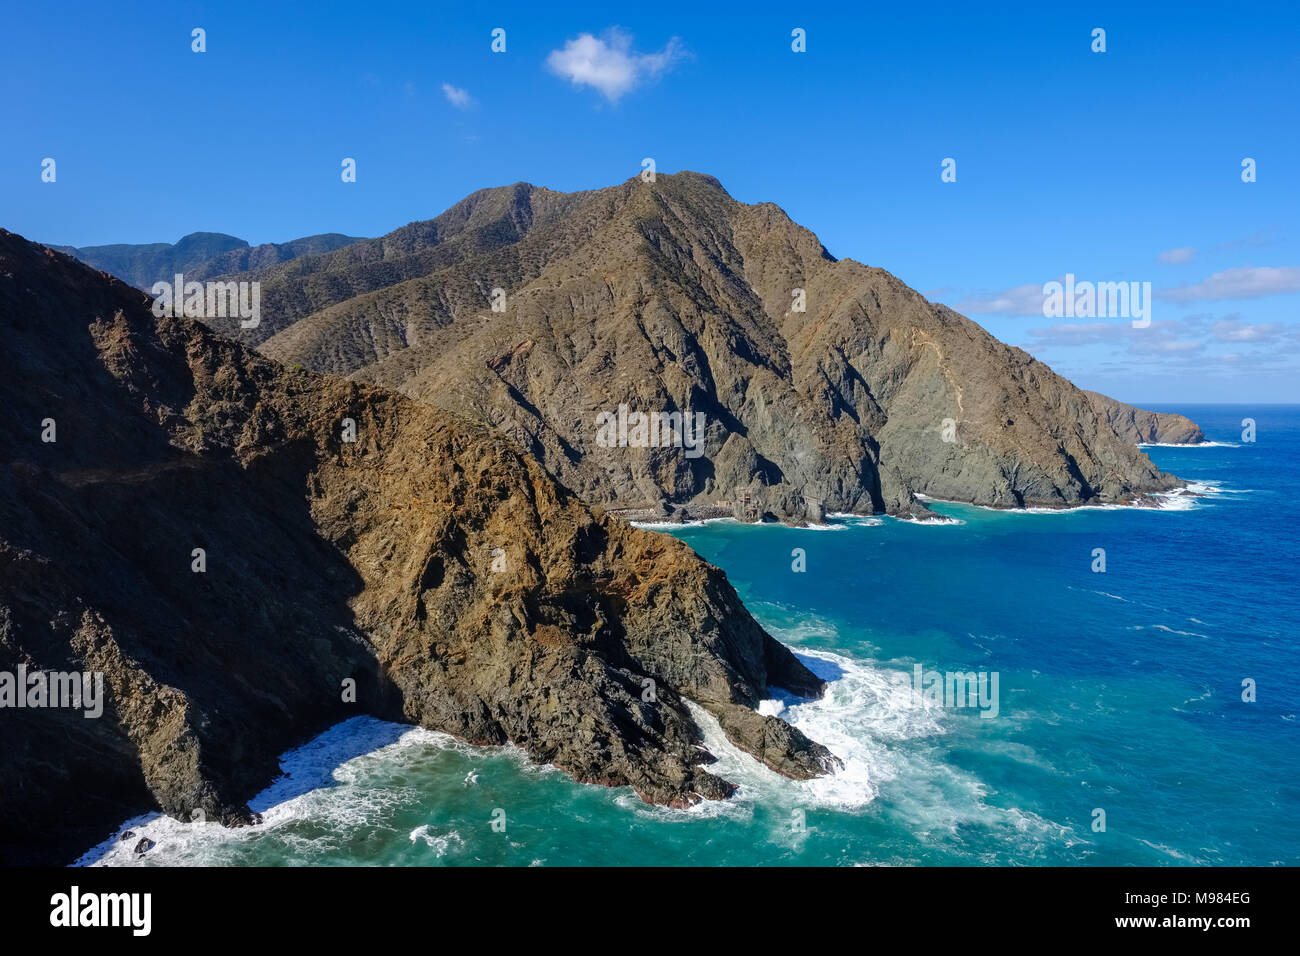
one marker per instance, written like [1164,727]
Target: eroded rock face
[432,562]
[1138,425]
[673,297]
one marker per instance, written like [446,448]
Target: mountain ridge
[674,296]
[1141,426]
[199,256]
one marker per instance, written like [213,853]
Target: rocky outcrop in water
[204,532]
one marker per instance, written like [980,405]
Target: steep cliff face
[430,561]
[1138,425]
[853,394]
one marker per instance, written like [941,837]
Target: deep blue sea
[1119,691]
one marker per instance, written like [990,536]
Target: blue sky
[1115,166]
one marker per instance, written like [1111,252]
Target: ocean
[1121,734]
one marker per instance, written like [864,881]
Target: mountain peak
[210,238]
[824,384]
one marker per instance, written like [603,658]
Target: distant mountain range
[200,256]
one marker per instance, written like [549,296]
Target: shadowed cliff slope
[431,561]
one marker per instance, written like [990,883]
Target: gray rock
[1137,425]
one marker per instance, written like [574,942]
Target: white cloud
[1265,237]
[1165,345]
[1234,330]
[1021,300]
[1186,343]
[457,97]
[1247,282]
[1177,256]
[609,64]
[1081,333]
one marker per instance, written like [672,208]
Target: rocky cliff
[824,385]
[1138,425]
[202,530]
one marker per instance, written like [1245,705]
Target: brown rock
[432,561]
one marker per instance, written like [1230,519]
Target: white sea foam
[1187,498]
[1204,695]
[932,522]
[1175,854]
[856,521]
[887,734]
[1168,630]
[677,525]
[1203,444]
[325,780]
[439,843]
[865,711]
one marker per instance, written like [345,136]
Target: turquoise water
[1119,691]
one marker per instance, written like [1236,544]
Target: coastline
[920,785]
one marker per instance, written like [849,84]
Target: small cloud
[1177,256]
[457,97]
[1165,346]
[609,64]
[1020,300]
[1265,237]
[1082,333]
[1162,337]
[1234,330]
[1247,282]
